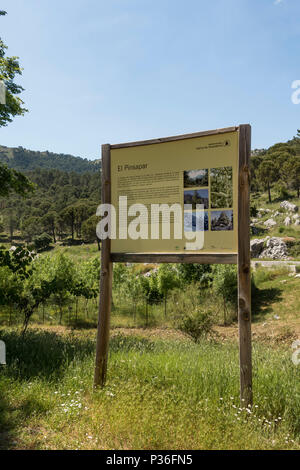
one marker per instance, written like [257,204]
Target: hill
[22,159]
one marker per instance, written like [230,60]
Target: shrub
[253,210]
[225,285]
[42,242]
[197,325]
[189,273]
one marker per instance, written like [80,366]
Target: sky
[99,71]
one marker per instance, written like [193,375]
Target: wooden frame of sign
[242,258]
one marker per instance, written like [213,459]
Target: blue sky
[112,71]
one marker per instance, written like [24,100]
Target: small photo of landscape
[197,196]
[192,178]
[221,187]
[221,220]
[196,221]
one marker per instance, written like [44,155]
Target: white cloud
[277,2]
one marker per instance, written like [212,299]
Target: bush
[294,248]
[42,242]
[282,191]
[197,325]
[225,285]
[189,273]
[253,210]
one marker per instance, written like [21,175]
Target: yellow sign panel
[197,178]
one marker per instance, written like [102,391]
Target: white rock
[287,221]
[275,249]
[270,223]
[288,206]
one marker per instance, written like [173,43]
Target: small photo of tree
[194,178]
[221,220]
[197,196]
[221,187]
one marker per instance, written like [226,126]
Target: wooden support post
[244,265]
[105,281]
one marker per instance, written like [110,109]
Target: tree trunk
[224,307]
[53,234]
[147,313]
[269,192]
[60,314]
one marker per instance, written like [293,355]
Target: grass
[160,394]
[277,295]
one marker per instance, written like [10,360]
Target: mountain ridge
[23,159]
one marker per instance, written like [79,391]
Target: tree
[11,180]
[89,230]
[297,142]
[167,280]
[68,215]
[9,68]
[82,212]
[194,273]
[294,168]
[225,285]
[31,226]
[10,222]
[267,174]
[49,223]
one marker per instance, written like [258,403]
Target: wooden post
[105,281]
[244,265]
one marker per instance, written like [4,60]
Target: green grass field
[162,393]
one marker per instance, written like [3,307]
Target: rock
[255,221]
[296,216]
[288,206]
[256,247]
[276,214]
[287,221]
[297,222]
[297,275]
[270,223]
[276,248]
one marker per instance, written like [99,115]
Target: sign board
[192,170]
[205,178]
